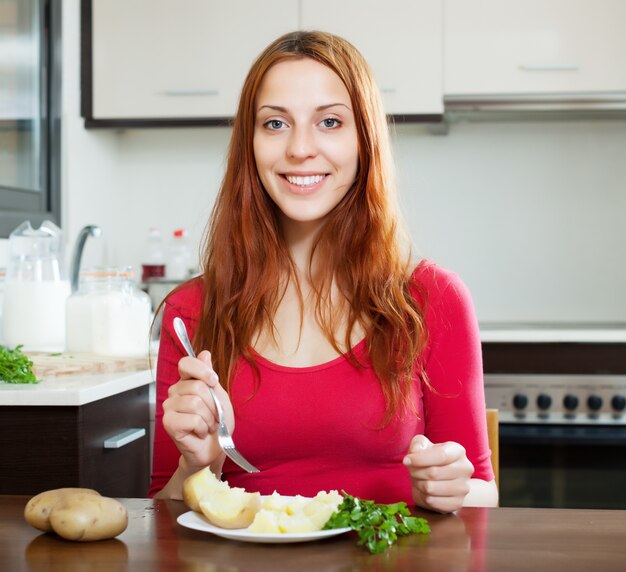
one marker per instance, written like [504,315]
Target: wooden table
[476,540]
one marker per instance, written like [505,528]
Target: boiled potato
[220,504]
[37,511]
[298,514]
[200,486]
[275,502]
[319,513]
[296,504]
[88,517]
[323,505]
[295,523]
[332,498]
[266,522]
[271,522]
[77,514]
[234,508]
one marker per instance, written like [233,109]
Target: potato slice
[37,510]
[85,517]
[200,486]
[232,508]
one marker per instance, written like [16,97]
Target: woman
[339,363]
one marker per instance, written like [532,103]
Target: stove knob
[570,402]
[618,402]
[520,401]
[594,402]
[544,401]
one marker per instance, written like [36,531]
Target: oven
[562,424]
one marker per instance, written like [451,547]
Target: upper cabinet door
[401,40]
[534,46]
[160,59]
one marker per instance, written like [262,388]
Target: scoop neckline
[357,350]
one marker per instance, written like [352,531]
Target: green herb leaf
[15,367]
[378,525]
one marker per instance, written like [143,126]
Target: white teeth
[304,181]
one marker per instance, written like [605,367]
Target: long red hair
[359,248]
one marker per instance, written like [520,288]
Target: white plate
[195,521]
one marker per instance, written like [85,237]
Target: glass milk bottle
[108,315]
[36,288]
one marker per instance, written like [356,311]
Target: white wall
[532,215]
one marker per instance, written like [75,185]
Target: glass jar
[108,315]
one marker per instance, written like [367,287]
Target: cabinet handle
[189,92]
[388,90]
[549,67]
[124,438]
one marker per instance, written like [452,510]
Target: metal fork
[223,435]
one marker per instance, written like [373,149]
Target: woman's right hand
[189,414]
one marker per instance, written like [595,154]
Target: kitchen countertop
[530,332]
[77,389]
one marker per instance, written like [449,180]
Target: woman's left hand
[440,474]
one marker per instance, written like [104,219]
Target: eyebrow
[318,108]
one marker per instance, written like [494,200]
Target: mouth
[304,182]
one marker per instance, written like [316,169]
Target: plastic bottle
[180,264]
[153,258]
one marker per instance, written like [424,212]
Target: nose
[302,143]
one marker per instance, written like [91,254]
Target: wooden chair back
[493,436]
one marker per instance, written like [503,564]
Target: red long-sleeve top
[317,428]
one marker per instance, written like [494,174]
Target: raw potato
[88,517]
[37,511]
[77,514]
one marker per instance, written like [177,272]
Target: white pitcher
[36,289]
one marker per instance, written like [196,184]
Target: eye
[274,124]
[331,123]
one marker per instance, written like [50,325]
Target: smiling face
[305,140]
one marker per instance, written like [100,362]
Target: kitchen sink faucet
[89,230]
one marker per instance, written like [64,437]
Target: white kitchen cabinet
[167,59]
[534,46]
[401,40]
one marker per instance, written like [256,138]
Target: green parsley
[15,367]
[378,525]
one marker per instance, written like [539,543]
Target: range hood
[593,105]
